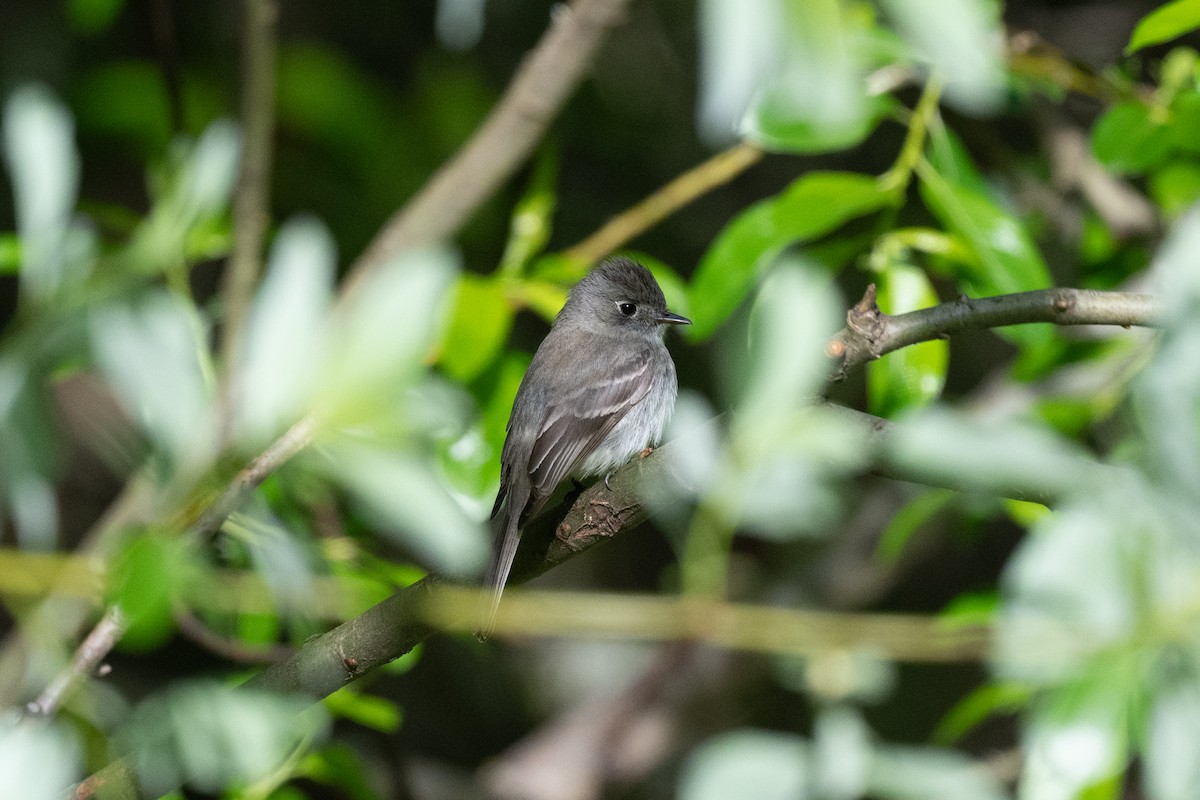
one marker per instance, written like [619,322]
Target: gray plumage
[601,388]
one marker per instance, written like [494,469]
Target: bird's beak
[673,319]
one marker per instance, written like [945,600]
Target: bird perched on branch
[600,389]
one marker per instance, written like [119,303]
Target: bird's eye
[627,308]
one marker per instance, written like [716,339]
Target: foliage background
[1040,154]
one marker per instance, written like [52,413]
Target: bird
[600,389]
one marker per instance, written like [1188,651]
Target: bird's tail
[508,536]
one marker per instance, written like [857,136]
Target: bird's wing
[576,425]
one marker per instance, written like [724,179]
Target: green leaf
[972,710]
[478,327]
[1129,139]
[127,102]
[1176,186]
[532,219]
[1005,259]
[368,710]
[10,253]
[911,376]
[814,205]
[1165,23]
[90,17]
[773,124]
[143,584]
[1184,124]
[909,519]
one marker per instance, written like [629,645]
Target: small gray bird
[600,389]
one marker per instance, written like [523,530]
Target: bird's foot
[646,451]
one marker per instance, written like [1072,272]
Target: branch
[194,629]
[280,451]
[703,178]
[869,333]
[251,202]
[504,141]
[774,630]
[87,658]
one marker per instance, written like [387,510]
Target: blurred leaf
[277,557]
[1164,23]
[1184,122]
[785,456]
[948,446]
[370,711]
[1175,186]
[37,762]
[10,253]
[30,453]
[381,337]
[816,99]
[740,45]
[911,517]
[147,575]
[791,319]
[196,187]
[814,205]
[747,763]
[964,44]
[283,341]
[39,151]
[405,498]
[127,102]
[1167,392]
[543,297]
[986,701]
[149,355]
[1130,138]
[904,773]
[842,752]
[210,736]
[1025,513]
[1172,760]
[1077,759]
[774,125]
[340,766]
[478,327]
[912,376]
[532,219]
[90,17]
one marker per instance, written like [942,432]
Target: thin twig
[504,141]
[87,658]
[193,628]
[703,178]
[250,208]
[869,333]
[281,450]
